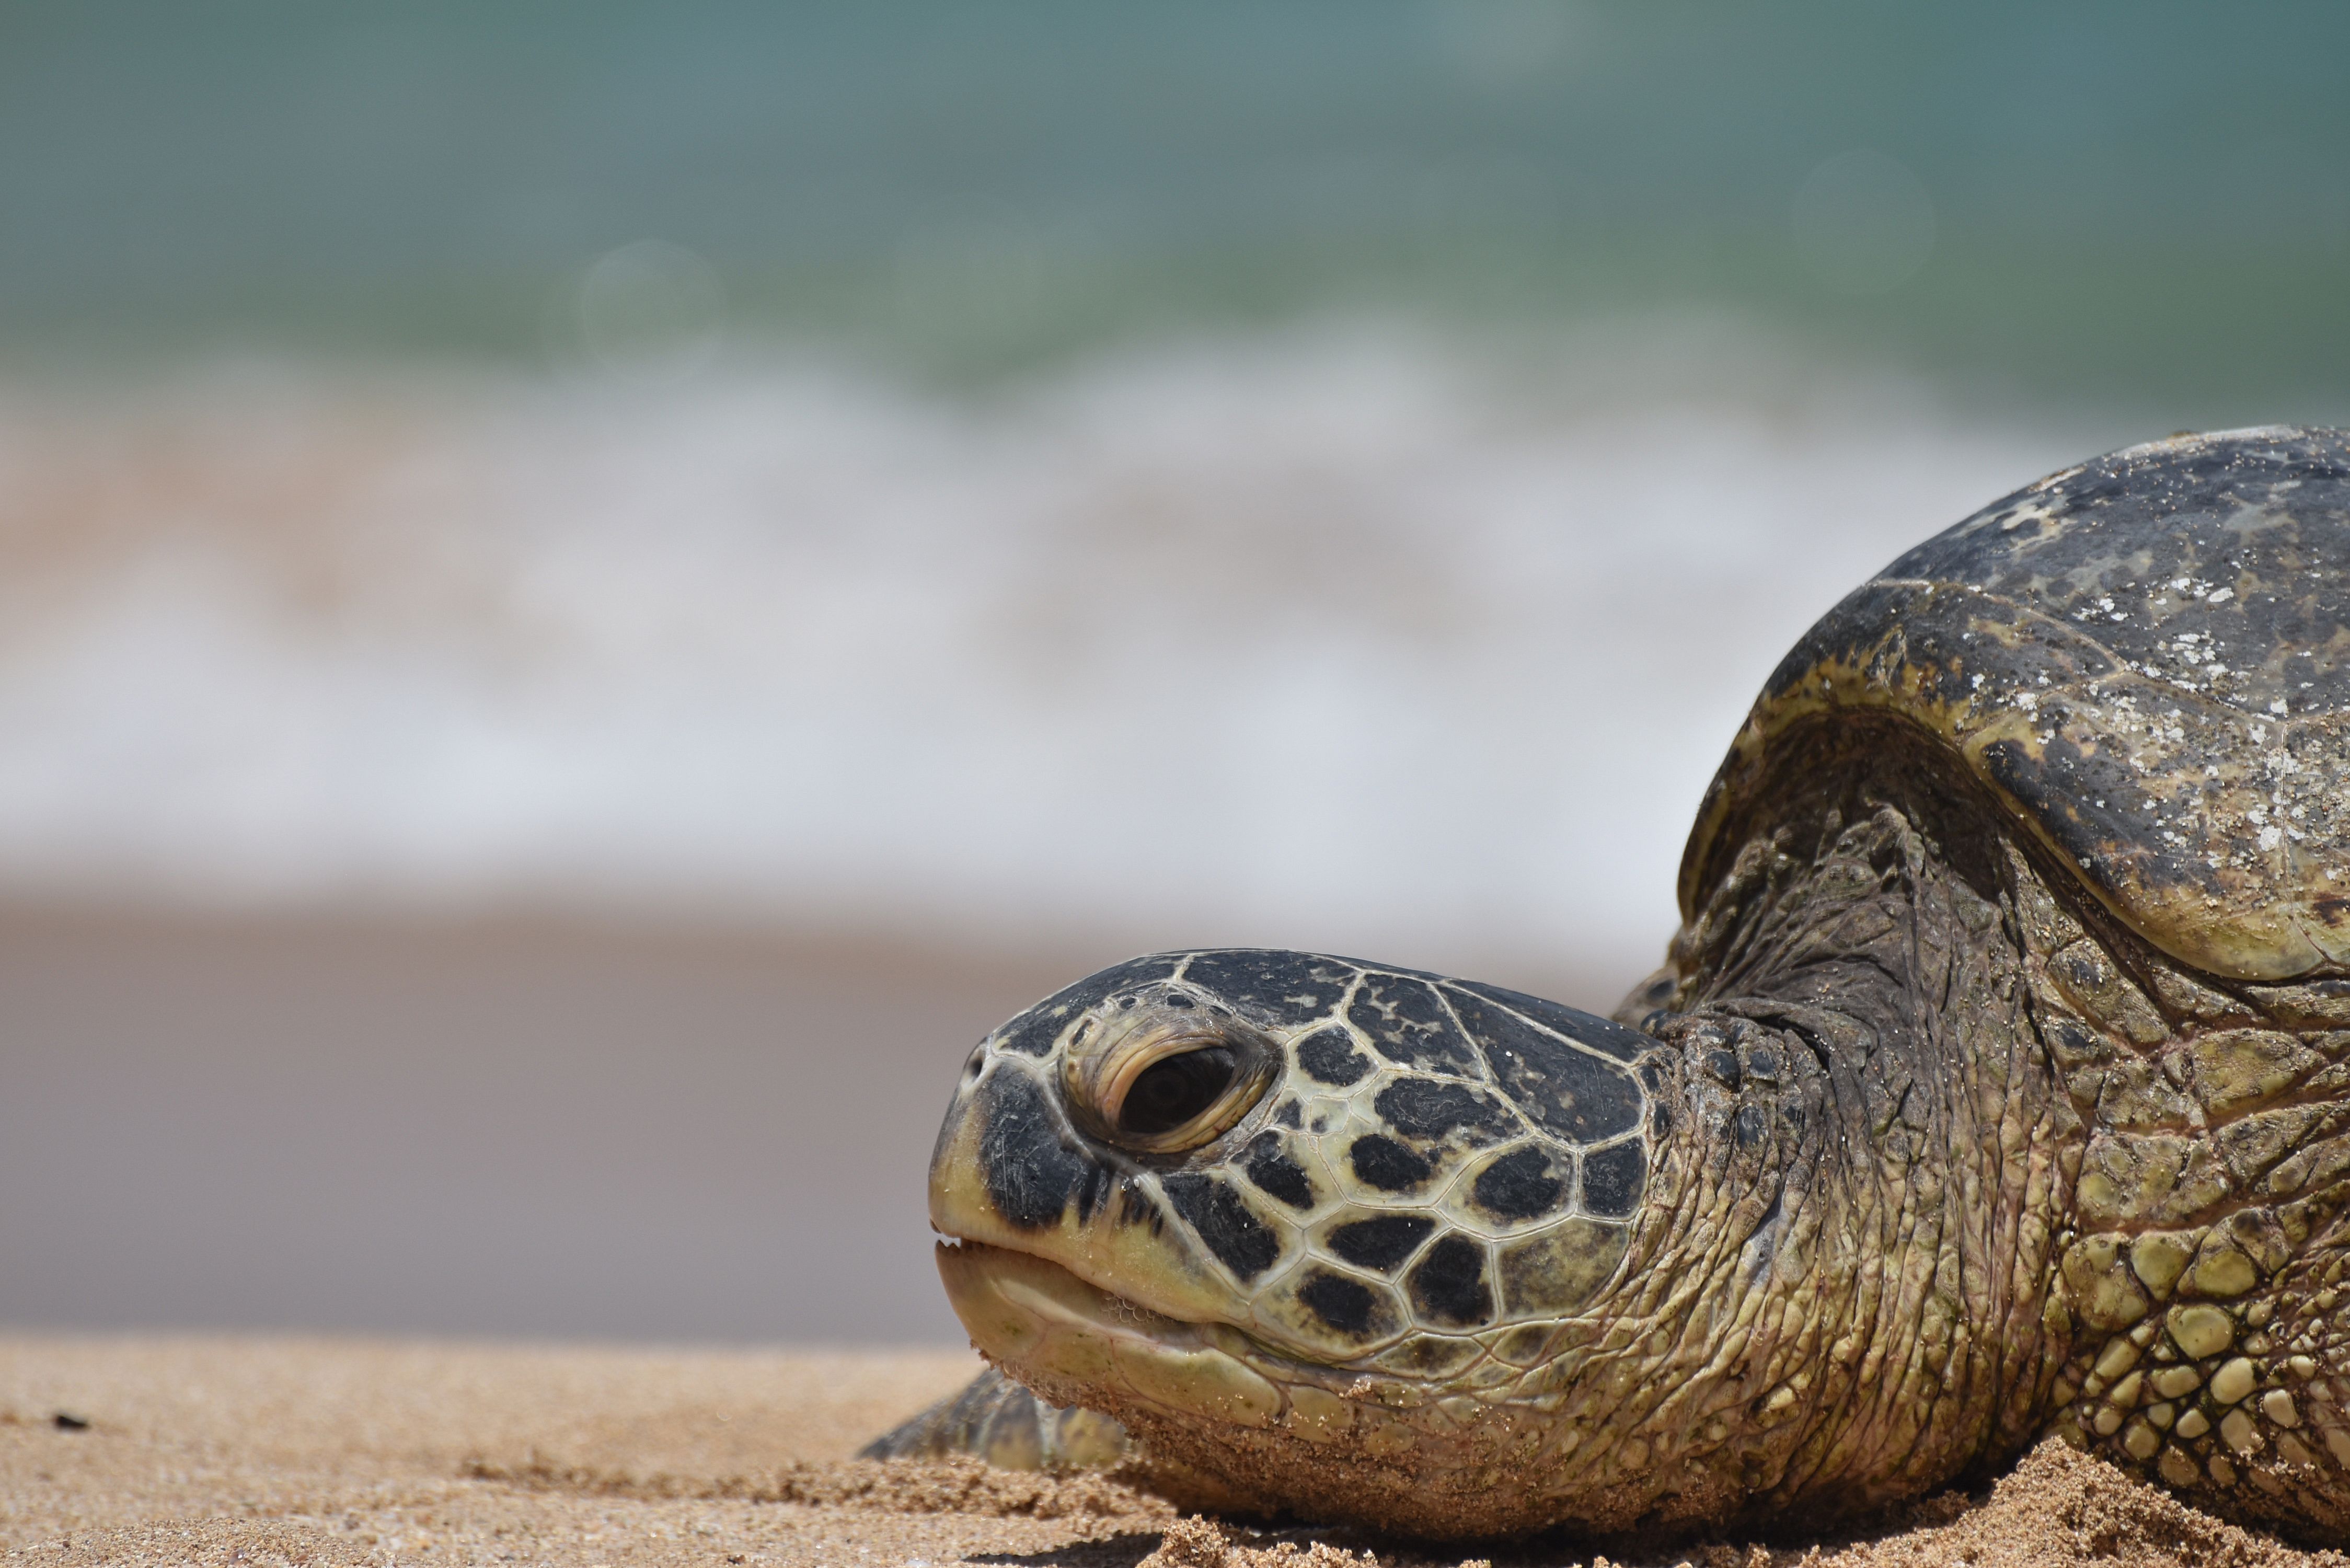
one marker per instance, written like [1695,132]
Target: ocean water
[1329,473]
[1355,634]
[2146,206]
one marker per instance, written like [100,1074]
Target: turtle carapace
[1997,1085]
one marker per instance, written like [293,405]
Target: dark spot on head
[1328,1056]
[1613,1179]
[1093,1192]
[1749,1124]
[1030,1173]
[1383,1242]
[1032,1033]
[1274,987]
[1342,1303]
[1405,1023]
[1602,1035]
[1381,1162]
[1135,1207]
[1581,1098]
[1235,1234]
[1449,1284]
[1519,1185]
[1271,1169]
[1431,1108]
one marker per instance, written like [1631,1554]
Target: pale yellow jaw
[1077,1344]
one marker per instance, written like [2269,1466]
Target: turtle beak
[1010,1171]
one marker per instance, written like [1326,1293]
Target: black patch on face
[1405,1023]
[1277,1174]
[1289,1115]
[1231,1233]
[1749,1124]
[1272,986]
[1094,1191]
[1448,1285]
[1030,1173]
[1381,1243]
[1431,1108]
[1613,1179]
[1344,1303]
[1032,1033]
[1328,1056]
[1135,1207]
[1578,1096]
[1380,1161]
[1521,1185]
[1604,1034]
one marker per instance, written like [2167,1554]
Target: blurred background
[592,592]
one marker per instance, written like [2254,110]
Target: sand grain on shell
[270,1453]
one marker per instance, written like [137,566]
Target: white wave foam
[1361,639]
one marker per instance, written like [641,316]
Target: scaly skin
[2201,1273]
[1871,1009]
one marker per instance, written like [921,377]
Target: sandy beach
[271,1451]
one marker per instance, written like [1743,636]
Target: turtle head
[1304,1222]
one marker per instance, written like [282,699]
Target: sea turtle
[1997,1085]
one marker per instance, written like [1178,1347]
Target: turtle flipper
[997,1420]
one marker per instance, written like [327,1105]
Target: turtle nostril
[1172,1091]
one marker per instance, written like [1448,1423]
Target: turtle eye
[1174,1089]
[1164,1077]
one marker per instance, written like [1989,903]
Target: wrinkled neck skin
[1837,1302]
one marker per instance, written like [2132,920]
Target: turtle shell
[2146,658]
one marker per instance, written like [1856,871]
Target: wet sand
[269,1452]
[526,1127]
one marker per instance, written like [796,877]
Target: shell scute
[2147,658]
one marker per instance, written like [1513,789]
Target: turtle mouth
[1075,1343]
[1011,1301]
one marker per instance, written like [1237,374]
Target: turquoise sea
[896,462]
[2143,204]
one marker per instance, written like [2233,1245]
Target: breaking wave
[1361,636]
